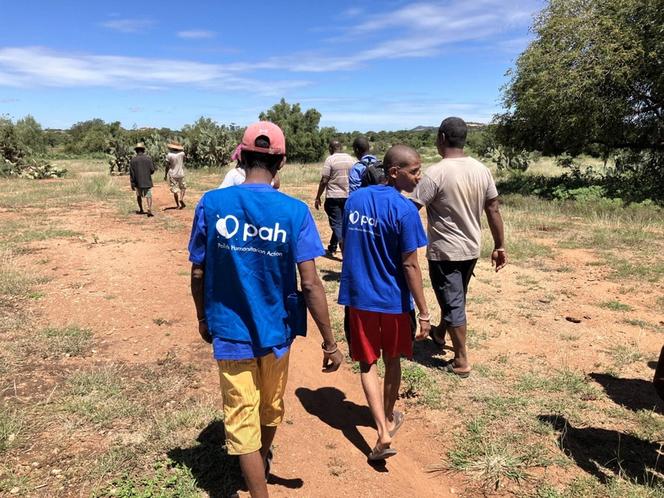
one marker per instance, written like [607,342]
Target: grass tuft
[10,428]
[615,305]
[65,341]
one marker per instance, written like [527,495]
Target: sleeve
[132,174]
[425,192]
[198,239]
[327,168]
[411,234]
[354,178]
[308,245]
[152,166]
[491,190]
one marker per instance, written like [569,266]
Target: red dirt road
[121,276]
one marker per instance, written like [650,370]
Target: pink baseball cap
[267,130]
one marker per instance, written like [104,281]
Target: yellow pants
[253,393]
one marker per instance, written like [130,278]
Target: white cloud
[400,111]
[196,34]
[128,25]
[37,66]
[352,12]
[421,29]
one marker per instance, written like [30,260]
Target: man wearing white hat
[175,173]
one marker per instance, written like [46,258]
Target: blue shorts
[449,280]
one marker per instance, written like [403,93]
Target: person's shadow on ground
[215,471]
[606,454]
[330,405]
[427,353]
[634,394]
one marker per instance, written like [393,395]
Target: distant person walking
[175,173]
[141,169]
[455,191]
[247,244]
[334,182]
[361,148]
[381,234]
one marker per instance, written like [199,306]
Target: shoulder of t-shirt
[406,206]
[343,157]
[295,204]
[434,169]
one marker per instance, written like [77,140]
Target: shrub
[15,158]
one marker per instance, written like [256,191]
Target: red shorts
[371,332]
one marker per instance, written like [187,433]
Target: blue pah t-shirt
[249,239]
[379,226]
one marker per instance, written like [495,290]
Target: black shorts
[449,280]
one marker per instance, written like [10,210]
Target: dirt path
[129,282]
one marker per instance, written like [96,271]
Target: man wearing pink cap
[246,243]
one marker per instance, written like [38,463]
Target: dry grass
[156,437]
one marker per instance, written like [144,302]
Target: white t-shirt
[455,192]
[235,176]
[175,164]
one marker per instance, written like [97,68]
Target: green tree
[30,135]
[304,141]
[208,144]
[593,76]
[89,137]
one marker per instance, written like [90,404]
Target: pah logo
[355,217]
[229,225]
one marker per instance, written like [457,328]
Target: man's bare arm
[198,293]
[411,269]
[321,188]
[314,295]
[495,220]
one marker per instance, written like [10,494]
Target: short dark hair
[251,159]
[455,131]
[400,156]
[361,144]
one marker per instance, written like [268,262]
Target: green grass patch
[590,487]
[624,354]
[11,426]
[520,249]
[558,381]
[64,341]
[164,480]
[623,269]
[649,425]
[490,456]
[417,383]
[98,397]
[615,305]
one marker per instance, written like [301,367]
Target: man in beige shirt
[455,191]
[334,181]
[174,173]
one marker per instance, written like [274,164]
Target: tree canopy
[304,141]
[592,78]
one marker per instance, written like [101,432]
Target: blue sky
[365,65]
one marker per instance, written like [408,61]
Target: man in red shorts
[381,234]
